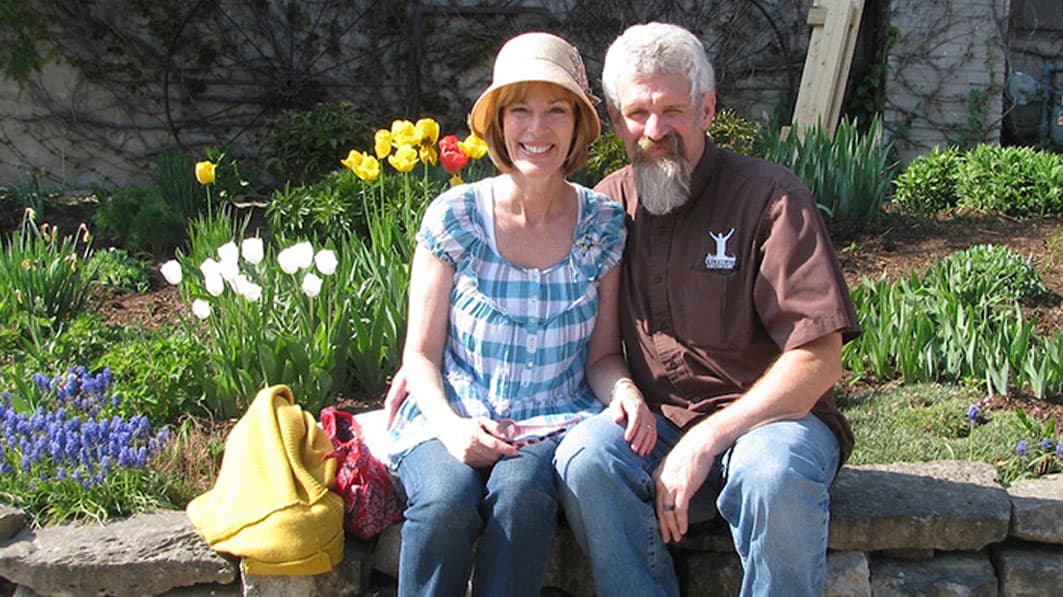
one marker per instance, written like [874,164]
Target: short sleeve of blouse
[602,237]
[450,225]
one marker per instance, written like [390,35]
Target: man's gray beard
[663,182]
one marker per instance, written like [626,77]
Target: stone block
[349,579]
[848,575]
[1029,571]
[709,573]
[948,505]
[12,520]
[1037,509]
[948,575]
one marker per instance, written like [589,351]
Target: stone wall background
[131,79]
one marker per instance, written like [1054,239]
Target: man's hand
[679,476]
[640,429]
[476,442]
[396,395]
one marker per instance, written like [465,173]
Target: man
[733,311]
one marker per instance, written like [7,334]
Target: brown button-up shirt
[712,293]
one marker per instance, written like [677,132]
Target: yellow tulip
[473,146]
[427,131]
[428,154]
[403,133]
[354,158]
[382,143]
[404,159]
[456,180]
[369,169]
[204,172]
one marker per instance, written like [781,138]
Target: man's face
[664,136]
[653,107]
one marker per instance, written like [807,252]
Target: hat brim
[486,107]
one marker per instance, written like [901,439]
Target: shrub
[327,209]
[1017,181]
[161,373]
[986,275]
[303,146]
[849,174]
[117,269]
[606,155]
[731,131]
[141,220]
[928,185]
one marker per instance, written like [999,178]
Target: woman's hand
[628,405]
[396,395]
[476,442]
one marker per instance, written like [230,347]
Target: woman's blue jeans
[771,487]
[495,523]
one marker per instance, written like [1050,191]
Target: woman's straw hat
[535,57]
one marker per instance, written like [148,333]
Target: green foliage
[606,155]
[141,220]
[987,275]
[22,35]
[326,209]
[1017,181]
[160,371]
[848,174]
[175,179]
[303,146]
[117,269]
[957,323]
[1038,453]
[44,279]
[731,131]
[928,184]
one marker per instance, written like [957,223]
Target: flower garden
[100,420]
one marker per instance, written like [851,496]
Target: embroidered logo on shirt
[721,260]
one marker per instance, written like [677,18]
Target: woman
[512,322]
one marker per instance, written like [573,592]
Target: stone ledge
[924,528]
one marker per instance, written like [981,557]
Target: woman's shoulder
[598,206]
[460,203]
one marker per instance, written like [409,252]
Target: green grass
[924,422]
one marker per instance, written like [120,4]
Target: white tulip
[311,285]
[228,253]
[214,283]
[248,289]
[201,308]
[209,267]
[326,262]
[171,270]
[252,250]
[292,259]
[229,270]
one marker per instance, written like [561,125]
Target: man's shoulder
[618,179]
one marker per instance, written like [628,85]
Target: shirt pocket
[710,308]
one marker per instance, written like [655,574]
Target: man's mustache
[671,142]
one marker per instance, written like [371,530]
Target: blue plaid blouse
[517,338]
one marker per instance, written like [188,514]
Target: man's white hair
[653,49]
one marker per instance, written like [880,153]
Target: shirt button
[533,342]
[530,365]
[658,279]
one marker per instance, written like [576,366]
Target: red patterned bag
[370,498]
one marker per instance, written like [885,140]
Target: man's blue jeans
[510,509]
[771,487]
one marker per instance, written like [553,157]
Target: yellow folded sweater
[271,503]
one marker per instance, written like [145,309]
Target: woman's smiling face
[538,129]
